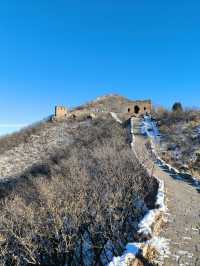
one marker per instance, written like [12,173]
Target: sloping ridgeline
[82,208]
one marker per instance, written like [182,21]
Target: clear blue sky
[69,52]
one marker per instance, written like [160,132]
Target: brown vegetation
[181,138]
[80,205]
[23,136]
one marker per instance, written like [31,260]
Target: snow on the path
[131,250]
[150,129]
[148,220]
[145,227]
[161,245]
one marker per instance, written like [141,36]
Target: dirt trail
[183,202]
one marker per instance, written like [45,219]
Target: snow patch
[160,244]
[114,115]
[150,129]
[148,220]
[130,253]
[145,228]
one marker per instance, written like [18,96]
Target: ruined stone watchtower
[61,112]
[139,108]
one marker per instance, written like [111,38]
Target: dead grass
[180,138]
[81,198]
[23,136]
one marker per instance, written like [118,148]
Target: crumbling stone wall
[129,108]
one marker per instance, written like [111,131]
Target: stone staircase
[136,125]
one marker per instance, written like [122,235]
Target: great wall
[133,108]
[174,238]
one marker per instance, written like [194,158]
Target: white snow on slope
[131,250]
[150,129]
[114,115]
[160,244]
[148,220]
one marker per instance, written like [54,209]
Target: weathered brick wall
[60,112]
[137,108]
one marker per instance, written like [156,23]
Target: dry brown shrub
[87,199]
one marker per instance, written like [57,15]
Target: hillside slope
[180,139]
[36,144]
[72,193]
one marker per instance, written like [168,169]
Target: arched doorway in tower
[136,109]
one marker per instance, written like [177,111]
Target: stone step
[136,126]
